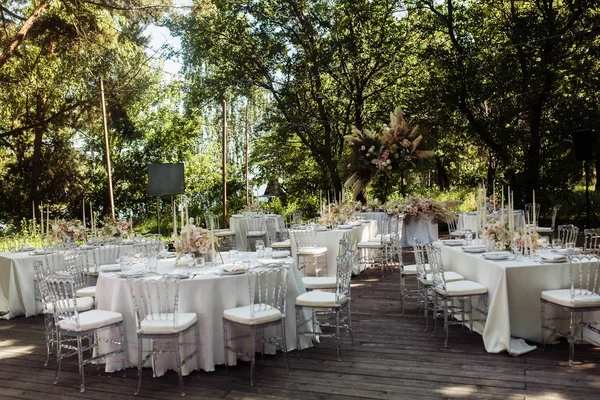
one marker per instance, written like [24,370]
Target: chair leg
[197,339]
[435,311]
[337,334]
[154,358]
[225,343]
[298,311]
[49,337]
[571,337]
[81,365]
[284,347]
[139,366]
[425,294]
[179,365]
[350,324]
[252,355]
[446,323]
[470,313]
[543,318]
[123,346]
[58,356]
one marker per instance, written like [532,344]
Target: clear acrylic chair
[374,252]
[54,254]
[297,217]
[568,233]
[549,230]
[529,212]
[75,263]
[156,307]
[452,222]
[321,303]
[271,229]
[267,290]
[448,294]
[583,298]
[106,252]
[41,273]
[425,293]
[591,242]
[72,324]
[307,251]
[226,237]
[325,282]
[255,230]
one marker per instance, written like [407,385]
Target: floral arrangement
[415,207]
[495,229]
[252,207]
[370,206]
[117,229]
[519,239]
[195,240]
[68,231]
[394,148]
[336,212]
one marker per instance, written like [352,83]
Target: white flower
[388,161]
[363,148]
[374,161]
[389,167]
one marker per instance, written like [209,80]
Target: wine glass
[260,247]
[516,248]
[557,244]
[468,236]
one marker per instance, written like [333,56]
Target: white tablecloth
[469,220]
[514,290]
[236,223]
[331,240]
[423,229]
[208,295]
[17,288]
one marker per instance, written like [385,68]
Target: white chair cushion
[412,269]
[83,304]
[92,319]
[256,233]
[544,229]
[463,288]
[457,233]
[262,314]
[311,251]
[449,276]
[563,297]
[164,324]
[281,245]
[224,232]
[89,291]
[319,282]
[319,299]
[371,245]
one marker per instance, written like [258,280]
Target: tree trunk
[36,168]
[16,41]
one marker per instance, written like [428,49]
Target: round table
[208,294]
[236,224]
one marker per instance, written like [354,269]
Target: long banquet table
[514,290]
[208,294]
[331,239]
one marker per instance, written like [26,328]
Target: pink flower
[406,143]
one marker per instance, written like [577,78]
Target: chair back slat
[305,236]
[343,275]
[584,274]
[567,233]
[529,212]
[434,256]
[155,299]
[419,251]
[591,241]
[61,289]
[271,227]
[267,289]
[106,252]
[254,223]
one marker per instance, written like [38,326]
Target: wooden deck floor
[393,359]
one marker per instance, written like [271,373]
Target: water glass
[152,264]
[468,236]
[268,252]
[516,251]
[491,244]
[233,255]
[260,247]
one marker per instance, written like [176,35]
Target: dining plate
[321,229]
[496,255]
[278,261]
[474,249]
[344,226]
[127,241]
[281,254]
[167,254]
[553,258]
[110,268]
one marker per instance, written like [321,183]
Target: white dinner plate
[167,254]
[281,254]
[110,268]
[127,241]
[454,242]
[39,252]
[132,273]
[321,229]
[474,249]
[554,260]
[279,261]
[496,255]
[344,226]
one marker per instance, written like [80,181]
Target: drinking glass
[516,251]
[468,236]
[233,255]
[152,264]
[260,247]
[491,244]
[268,252]
[570,248]
[556,244]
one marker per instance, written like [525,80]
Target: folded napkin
[232,268]
[278,261]
[553,257]
[167,254]
[127,241]
[27,248]
[86,247]
[494,255]
[237,216]
[454,241]
[321,228]
[569,251]
[272,215]
[344,226]
[474,247]
[281,254]
[110,268]
[39,252]
[179,273]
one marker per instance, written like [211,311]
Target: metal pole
[247,196]
[224,164]
[158,213]
[108,169]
